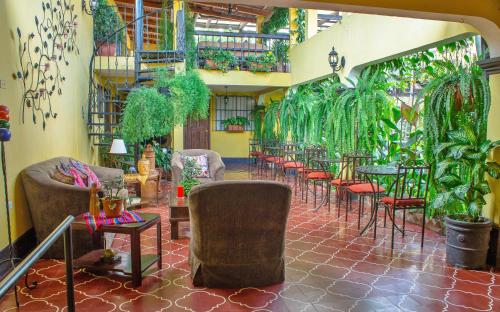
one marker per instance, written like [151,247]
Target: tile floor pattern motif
[328,268]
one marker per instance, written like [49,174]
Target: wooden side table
[133,263]
[179,211]
[143,181]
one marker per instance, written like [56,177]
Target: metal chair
[292,155]
[254,152]
[317,173]
[349,176]
[412,184]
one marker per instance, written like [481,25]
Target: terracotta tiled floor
[329,268]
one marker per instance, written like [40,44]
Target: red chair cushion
[365,188]
[402,202]
[318,175]
[274,159]
[293,164]
[255,153]
[338,182]
[306,170]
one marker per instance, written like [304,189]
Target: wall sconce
[333,59]
[93,6]
[226,98]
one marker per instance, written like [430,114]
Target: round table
[372,171]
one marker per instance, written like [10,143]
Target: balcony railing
[245,47]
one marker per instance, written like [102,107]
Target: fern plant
[451,90]
[356,112]
[147,114]
[271,128]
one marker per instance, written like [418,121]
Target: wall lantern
[226,98]
[93,6]
[333,59]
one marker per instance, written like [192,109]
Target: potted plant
[189,173]
[236,124]
[261,63]
[462,173]
[106,22]
[163,156]
[114,198]
[218,59]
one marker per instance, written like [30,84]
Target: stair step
[103,124]
[104,134]
[106,113]
[160,60]
[154,70]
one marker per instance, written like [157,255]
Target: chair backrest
[412,182]
[314,152]
[254,146]
[349,164]
[239,221]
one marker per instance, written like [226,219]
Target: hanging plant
[271,121]
[453,89]
[357,111]
[300,21]
[277,21]
[188,95]
[147,114]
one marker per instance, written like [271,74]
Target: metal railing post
[68,259]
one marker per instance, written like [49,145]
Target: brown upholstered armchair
[50,201]
[238,233]
[215,165]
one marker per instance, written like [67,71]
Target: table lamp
[117,148]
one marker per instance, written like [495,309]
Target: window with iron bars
[232,106]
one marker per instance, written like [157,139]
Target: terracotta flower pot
[113,208]
[210,64]
[107,49]
[235,128]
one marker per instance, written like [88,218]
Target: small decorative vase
[143,165]
[113,208]
[150,155]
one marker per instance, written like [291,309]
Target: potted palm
[236,124]
[462,173]
[106,22]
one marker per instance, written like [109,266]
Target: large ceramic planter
[107,49]
[467,242]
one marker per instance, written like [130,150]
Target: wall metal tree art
[42,54]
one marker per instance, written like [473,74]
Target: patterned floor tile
[329,267]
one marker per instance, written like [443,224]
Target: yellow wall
[64,136]
[359,38]
[492,209]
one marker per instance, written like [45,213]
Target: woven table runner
[94,222]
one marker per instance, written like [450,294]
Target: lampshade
[118,147]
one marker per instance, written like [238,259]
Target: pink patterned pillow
[93,179]
[202,161]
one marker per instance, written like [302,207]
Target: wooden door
[197,134]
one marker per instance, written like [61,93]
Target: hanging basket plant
[147,114]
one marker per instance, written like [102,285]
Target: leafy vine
[41,55]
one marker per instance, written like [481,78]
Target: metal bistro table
[371,172]
[325,164]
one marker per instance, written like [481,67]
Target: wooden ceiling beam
[235,7]
[222,15]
